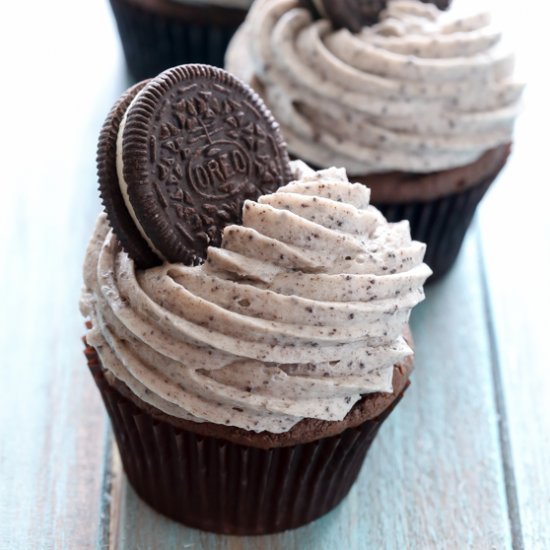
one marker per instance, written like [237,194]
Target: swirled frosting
[420,91]
[300,312]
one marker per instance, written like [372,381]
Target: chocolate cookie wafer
[192,145]
[441,4]
[354,14]
[349,14]
[109,189]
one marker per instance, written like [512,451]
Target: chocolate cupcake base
[439,206]
[158,34]
[217,485]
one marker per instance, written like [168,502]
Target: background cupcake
[420,106]
[244,390]
[158,34]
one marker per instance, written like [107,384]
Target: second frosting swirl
[299,313]
[422,90]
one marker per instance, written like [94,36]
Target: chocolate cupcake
[245,387]
[419,106]
[158,34]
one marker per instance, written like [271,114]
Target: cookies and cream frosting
[422,90]
[300,311]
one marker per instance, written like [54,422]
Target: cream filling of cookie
[422,90]
[123,184]
[298,314]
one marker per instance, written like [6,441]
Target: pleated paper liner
[223,487]
[158,34]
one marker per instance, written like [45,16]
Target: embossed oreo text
[214,169]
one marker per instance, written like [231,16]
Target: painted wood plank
[433,478]
[52,426]
[516,249]
[53,430]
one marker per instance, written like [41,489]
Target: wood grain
[435,468]
[515,235]
[52,426]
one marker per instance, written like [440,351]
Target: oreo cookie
[349,14]
[179,155]
[354,14]
[109,189]
[441,4]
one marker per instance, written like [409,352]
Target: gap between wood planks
[110,502]
[512,501]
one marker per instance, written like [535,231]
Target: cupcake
[420,105]
[246,380]
[158,34]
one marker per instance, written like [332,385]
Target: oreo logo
[219,170]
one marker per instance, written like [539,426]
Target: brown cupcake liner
[440,223]
[155,38]
[215,485]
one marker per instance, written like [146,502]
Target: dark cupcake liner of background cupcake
[158,34]
[219,486]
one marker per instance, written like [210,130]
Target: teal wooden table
[462,463]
